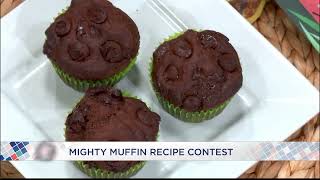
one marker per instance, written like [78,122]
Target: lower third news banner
[141,151]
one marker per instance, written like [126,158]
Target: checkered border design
[13,151]
[287,151]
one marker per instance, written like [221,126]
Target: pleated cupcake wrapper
[192,117]
[82,85]
[99,173]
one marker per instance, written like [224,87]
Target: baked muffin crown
[197,70]
[103,114]
[92,40]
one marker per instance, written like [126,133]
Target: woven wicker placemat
[277,28]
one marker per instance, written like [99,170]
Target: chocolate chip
[147,117]
[171,73]
[192,103]
[116,94]
[76,121]
[105,95]
[225,48]
[78,51]
[208,40]
[62,27]
[221,36]
[228,62]
[162,50]
[217,76]
[182,48]
[97,15]
[111,51]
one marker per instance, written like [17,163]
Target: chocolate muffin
[92,43]
[104,114]
[195,74]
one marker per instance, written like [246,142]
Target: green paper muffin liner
[99,173]
[82,85]
[192,117]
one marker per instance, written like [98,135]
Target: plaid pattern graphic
[287,151]
[14,151]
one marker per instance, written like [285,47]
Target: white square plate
[274,101]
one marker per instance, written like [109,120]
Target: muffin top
[92,40]
[105,115]
[197,70]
